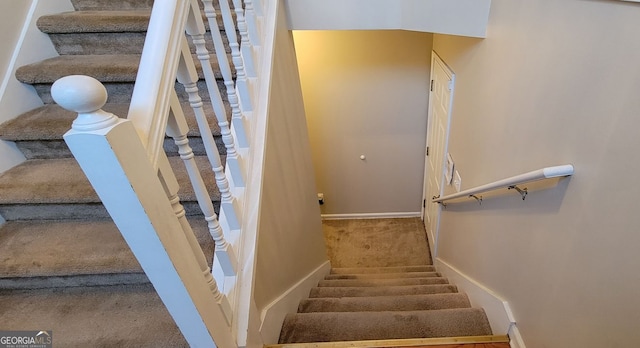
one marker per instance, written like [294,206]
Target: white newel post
[115,162]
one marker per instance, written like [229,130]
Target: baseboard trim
[515,340]
[497,309]
[273,314]
[409,214]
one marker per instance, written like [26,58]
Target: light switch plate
[457,181]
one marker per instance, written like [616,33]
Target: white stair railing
[510,183]
[125,163]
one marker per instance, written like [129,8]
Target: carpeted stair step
[105,32]
[381,282]
[395,269]
[383,275]
[357,326]
[106,5]
[58,189]
[59,253]
[364,291]
[116,72]
[38,133]
[385,303]
[103,316]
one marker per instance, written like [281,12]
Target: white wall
[366,93]
[22,44]
[290,240]
[554,82]
[456,17]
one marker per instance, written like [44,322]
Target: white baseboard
[497,309]
[515,340]
[273,315]
[409,214]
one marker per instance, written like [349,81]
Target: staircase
[64,265]
[381,304]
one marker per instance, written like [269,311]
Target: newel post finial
[86,96]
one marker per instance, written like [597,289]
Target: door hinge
[431,88]
[427,150]
[424,203]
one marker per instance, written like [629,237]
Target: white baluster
[242,84]
[245,44]
[258,6]
[171,187]
[252,23]
[196,29]
[114,160]
[188,76]
[177,129]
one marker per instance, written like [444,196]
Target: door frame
[433,239]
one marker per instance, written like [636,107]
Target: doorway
[439,118]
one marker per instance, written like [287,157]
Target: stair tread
[101,5]
[62,181]
[354,326]
[50,122]
[383,275]
[103,67]
[102,21]
[319,292]
[381,282]
[393,269]
[385,303]
[95,21]
[114,68]
[94,253]
[110,316]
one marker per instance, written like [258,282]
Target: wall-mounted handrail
[511,182]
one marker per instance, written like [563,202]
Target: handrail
[149,107]
[511,182]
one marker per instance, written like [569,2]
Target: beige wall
[555,82]
[366,93]
[12,16]
[290,241]
[15,97]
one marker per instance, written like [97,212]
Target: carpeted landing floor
[376,242]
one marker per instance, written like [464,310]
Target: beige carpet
[376,242]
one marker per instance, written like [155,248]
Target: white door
[440,101]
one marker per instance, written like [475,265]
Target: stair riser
[370,270]
[15,212]
[358,326]
[381,282]
[121,92]
[50,149]
[381,291]
[73,281]
[113,43]
[383,275]
[385,303]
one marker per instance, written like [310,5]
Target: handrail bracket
[523,192]
[478,199]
